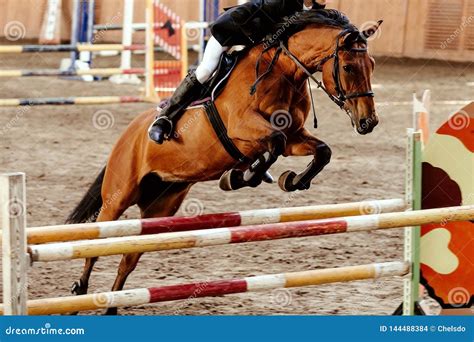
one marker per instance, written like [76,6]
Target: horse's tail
[89,207]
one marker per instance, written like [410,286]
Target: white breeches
[210,60]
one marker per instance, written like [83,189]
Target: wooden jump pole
[142,296]
[97,230]
[70,48]
[224,236]
[79,72]
[88,100]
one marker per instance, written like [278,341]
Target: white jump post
[201,33]
[86,56]
[127,39]
[14,248]
[412,234]
[150,93]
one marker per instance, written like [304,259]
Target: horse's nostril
[363,123]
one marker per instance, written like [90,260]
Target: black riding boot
[184,95]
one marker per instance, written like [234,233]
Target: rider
[245,24]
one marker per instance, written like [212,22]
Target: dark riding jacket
[247,24]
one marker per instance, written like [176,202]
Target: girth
[221,132]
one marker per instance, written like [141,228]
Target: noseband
[341,97]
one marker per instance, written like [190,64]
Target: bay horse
[157,178]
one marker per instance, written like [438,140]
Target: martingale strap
[221,132]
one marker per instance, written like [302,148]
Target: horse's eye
[348,68]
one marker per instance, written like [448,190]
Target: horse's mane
[324,17]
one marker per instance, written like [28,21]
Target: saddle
[216,84]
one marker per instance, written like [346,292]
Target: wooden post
[184,50]
[150,93]
[15,256]
[412,234]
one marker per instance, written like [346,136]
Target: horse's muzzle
[367,125]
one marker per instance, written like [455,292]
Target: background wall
[441,29]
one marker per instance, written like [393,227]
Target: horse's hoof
[268,178]
[111,312]
[285,182]
[232,180]
[78,288]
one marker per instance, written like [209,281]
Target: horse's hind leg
[109,212]
[118,194]
[166,204]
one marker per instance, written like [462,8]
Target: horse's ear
[351,38]
[369,32]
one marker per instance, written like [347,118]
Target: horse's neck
[312,45]
[237,100]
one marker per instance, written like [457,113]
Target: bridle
[341,97]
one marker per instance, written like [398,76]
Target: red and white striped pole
[214,288]
[97,230]
[224,236]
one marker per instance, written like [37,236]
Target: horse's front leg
[274,142]
[305,144]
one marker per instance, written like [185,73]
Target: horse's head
[326,41]
[347,77]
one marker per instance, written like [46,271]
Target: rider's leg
[210,60]
[186,93]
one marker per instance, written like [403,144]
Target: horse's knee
[323,154]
